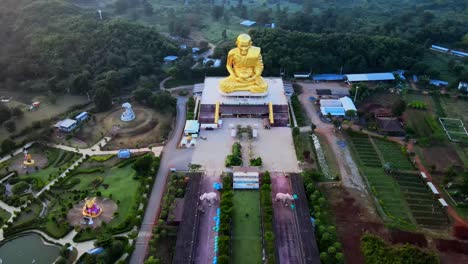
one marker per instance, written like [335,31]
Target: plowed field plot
[393,154]
[388,194]
[365,151]
[425,209]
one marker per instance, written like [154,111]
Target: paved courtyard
[274,146]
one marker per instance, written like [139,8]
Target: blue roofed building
[401,74]
[248,23]
[328,77]
[336,107]
[439,48]
[66,125]
[459,53]
[438,83]
[82,117]
[170,59]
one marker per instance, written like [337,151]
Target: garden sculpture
[284,197]
[91,209]
[28,161]
[209,197]
[128,115]
[245,67]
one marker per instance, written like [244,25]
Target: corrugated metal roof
[334,111]
[347,103]
[191,126]
[248,23]
[369,77]
[170,58]
[439,48]
[66,123]
[330,103]
[328,77]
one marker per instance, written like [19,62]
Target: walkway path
[154,203]
[292,112]
[7,177]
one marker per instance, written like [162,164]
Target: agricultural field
[365,151]
[389,195]
[404,197]
[426,210]
[382,186]
[246,233]
[394,154]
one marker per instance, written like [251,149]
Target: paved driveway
[171,157]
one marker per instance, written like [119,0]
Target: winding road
[171,157]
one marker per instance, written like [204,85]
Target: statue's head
[243,43]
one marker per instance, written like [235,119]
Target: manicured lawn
[114,182]
[393,154]
[4,215]
[57,160]
[121,184]
[246,236]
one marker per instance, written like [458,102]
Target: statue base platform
[212,94]
[243,94]
[243,103]
[127,118]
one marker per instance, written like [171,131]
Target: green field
[426,210]
[246,233]
[365,151]
[439,62]
[393,154]
[382,186]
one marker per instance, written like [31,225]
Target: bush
[376,250]
[20,187]
[256,161]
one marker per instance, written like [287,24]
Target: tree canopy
[53,45]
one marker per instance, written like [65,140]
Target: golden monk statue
[245,67]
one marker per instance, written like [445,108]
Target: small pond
[26,249]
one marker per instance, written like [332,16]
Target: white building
[245,178]
[336,107]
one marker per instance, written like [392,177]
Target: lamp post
[355,95]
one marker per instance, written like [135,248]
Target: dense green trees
[377,251]
[53,45]
[102,99]
[296,51]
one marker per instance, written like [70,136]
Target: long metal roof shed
[370,77]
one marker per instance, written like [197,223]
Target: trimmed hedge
[267,214]
[325,230]
[234,159]
[226,204]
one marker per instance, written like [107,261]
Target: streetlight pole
[355,95]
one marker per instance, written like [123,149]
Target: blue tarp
[415,78]
[438,82]
[400,74]
[328,77]
[124,154]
